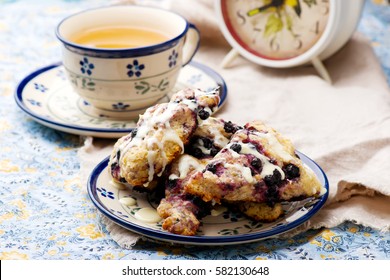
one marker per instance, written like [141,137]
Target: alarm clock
[287,33]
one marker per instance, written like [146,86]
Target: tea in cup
[122,59]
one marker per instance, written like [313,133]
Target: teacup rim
[138,50]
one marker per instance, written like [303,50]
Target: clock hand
[273,3]
[295,4]
[297,8]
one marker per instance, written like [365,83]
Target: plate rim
[81,130]
[203,240]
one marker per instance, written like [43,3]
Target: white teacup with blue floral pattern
[117,82]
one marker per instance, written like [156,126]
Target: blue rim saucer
[225,229]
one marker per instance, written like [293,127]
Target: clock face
[276,29]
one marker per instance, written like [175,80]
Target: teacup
[114,73]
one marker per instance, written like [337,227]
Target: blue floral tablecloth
[45,212]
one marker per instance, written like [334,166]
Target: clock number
[274,45]
[256,32]
[241,16]
[316,29]
[298,43]
[325,10]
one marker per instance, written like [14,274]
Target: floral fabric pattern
[45,212]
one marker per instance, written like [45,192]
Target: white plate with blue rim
[48,98]
[223,228]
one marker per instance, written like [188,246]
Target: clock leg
[319,66]
[229,58]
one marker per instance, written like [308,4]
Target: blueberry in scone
[181,211]
[210,137]
[258,165]
[203,161]
[160,136]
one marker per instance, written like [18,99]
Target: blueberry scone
[258,165]
[202,161]
[181,211]
[160,136]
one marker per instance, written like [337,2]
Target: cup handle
[191,44]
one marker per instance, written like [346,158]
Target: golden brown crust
[135,163]
[179,211]
[178,215]
[261,212]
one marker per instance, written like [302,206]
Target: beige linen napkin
[344,127]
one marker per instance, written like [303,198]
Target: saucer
[47,97]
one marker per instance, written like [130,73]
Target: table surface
[45,212]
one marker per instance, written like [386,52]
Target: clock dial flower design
[276,29]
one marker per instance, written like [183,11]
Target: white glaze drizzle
[192,104]
[160,119]
[201,146]
[128,201]
[152,155]
[267,167]
[275,145]
[219,138]
[185,164]
[148,215]
[244,171]
[218,210]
